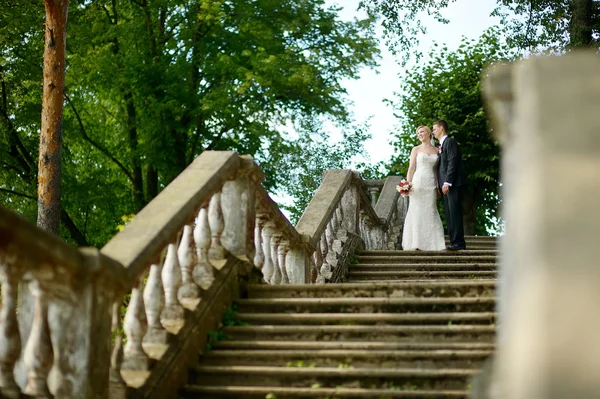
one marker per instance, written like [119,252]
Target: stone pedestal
[547,110]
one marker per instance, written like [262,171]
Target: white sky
[467,18]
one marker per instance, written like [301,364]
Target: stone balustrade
[173,270]
[54,319]
[340,220]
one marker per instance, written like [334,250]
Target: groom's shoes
[455,248]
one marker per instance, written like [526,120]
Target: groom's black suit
[451,170]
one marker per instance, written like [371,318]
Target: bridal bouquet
[404,188]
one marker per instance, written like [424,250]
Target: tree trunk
[469,205]
[580,25]
[151,183]
[49,175]
[138,182]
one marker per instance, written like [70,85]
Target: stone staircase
[407,324]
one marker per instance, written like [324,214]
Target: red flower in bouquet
[404,188]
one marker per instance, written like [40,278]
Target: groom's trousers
[454,217]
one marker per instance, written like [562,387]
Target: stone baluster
[259,257]
[203,272]
[318,256]
[282,251]
[216,253]
[277,274]
[135,325]
[38,356]
[173,313]
[325,271]
[268,268]
[330,233]
[350,205]
[117,384]
[10,339]
[324,247]
[154,299]
[189,293]
[365,231]
[335,222]
[339,212]
[373,191]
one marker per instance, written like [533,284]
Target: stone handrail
[213,223]
[340,220]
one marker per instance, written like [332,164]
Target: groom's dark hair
[443,124]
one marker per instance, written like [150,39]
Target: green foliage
[401,22]
[150,85]
[448,87]
[531,26]
[548,25]
[230,318]
[301,364]
[215,336]
[301,163]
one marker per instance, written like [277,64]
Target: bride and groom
[435,171]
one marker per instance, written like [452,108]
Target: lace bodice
[425,176]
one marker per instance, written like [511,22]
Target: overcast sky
[467,18]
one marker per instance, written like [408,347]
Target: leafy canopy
[150,85]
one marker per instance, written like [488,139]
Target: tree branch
[110,18]
[94,143]
[18,194]
[66,220]
[17,149]
[74,232]
[217,138]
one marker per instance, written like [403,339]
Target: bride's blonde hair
[427,129]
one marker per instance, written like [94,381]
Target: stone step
[370,305]
[445,254]
[479,244]
[422,266]
[478,238]
[429,359]
[401,260]
[415,288]
[377,280]
[397,333]
[332,377]
[366,318]
[419,274]
[238,392]
[352,345]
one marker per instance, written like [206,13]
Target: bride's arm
[412,165]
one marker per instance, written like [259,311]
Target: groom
[452,180]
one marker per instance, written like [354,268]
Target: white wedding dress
[423,227]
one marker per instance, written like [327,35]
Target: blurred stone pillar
[547,112]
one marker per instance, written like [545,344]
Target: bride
[423,228]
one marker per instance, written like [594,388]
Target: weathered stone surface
[388,198]
[549,267]
[322,205]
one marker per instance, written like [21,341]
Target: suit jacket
[450,168]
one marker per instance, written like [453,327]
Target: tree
[303,162]
[447,87]
[401,23]
[549,24]
[50,157]
[153,84]
[532,25]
